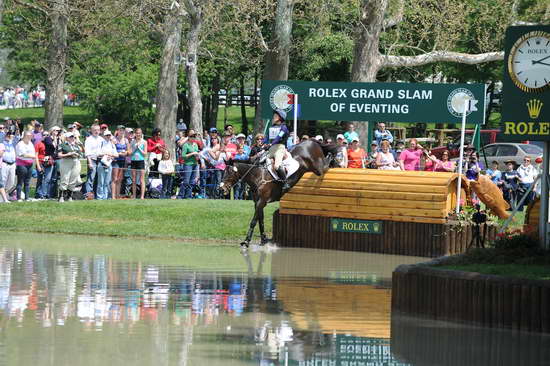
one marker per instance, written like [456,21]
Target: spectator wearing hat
[373,154]
[319,138]
[356,154]
[212,133]
[241,142]
[25,158]
[510,183]
[91,148]
[69,167]
[382,134]
[103,127]
[37,132]
[527,175]
[119,163]
[342,153]
[107,154]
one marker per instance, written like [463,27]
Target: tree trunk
[167,93]
[243,109]
[367,60]
[276,59]
[57,63]
[195,101]
[213,121]
[1,10]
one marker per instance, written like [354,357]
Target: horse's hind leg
[263,237]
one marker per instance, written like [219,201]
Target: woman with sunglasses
[257,146]
[444,165]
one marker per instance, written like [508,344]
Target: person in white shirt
[91,150]
[107,152]
[166,168]
[527,175]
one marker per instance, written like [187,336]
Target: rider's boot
[282,178]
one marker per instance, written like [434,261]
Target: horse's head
[231,176]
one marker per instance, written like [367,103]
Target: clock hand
[543,63]
[539,61]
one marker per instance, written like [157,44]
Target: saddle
[289,164]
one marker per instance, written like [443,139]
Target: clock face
[529,62]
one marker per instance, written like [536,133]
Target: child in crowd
[472,167]
[495,174]
[166,168]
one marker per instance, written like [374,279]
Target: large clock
[529,62]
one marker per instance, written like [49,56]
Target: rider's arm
[282,133]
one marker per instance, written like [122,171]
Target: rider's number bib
[274,132]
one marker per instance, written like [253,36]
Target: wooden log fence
[471,298]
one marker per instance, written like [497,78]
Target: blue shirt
[386,135]
[243,156]
[497,175]
[9,153]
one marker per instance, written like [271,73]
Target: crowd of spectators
[123,163]
[18,97]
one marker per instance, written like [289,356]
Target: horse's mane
[327,148]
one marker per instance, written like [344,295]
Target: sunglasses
[1,127]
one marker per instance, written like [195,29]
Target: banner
[376,102]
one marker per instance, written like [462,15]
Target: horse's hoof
[264,241]
[244,244]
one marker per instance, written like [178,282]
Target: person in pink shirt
[409,159]
[230,147]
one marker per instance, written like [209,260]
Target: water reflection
[289,307]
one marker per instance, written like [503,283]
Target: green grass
[72,114]
[220,220]
[535,272]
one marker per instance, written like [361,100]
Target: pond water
[68,300]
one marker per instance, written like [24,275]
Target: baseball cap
[69,134]
[241,135]
[372,143]
[71,125]
[55,128]
[319,138]
[355,139]
[340,136]
[107,133]
[103,125]
[213,129]
[6,118]
[77,124]
[120,127]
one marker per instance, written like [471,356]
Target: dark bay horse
[310,154]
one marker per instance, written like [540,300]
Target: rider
[276,142]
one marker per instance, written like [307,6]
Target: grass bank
[533,272]
[514,254]
[220,220]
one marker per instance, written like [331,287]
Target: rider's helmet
[281,113]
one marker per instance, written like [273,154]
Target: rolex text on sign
[356,226]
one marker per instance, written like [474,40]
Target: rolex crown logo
[534,106]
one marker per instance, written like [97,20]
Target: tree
[277,59]
[167,87]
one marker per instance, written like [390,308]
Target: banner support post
[461,157]
[295,140]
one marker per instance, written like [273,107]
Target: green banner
[377,102]
[356,226]
[526,84]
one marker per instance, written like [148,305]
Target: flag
[290,99]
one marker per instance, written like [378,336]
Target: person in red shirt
[230,147]
[40,149]
[356,155]
[155,147]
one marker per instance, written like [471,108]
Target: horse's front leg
[326,162]
[246,241]
[263,237]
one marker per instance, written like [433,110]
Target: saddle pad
[290,164]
